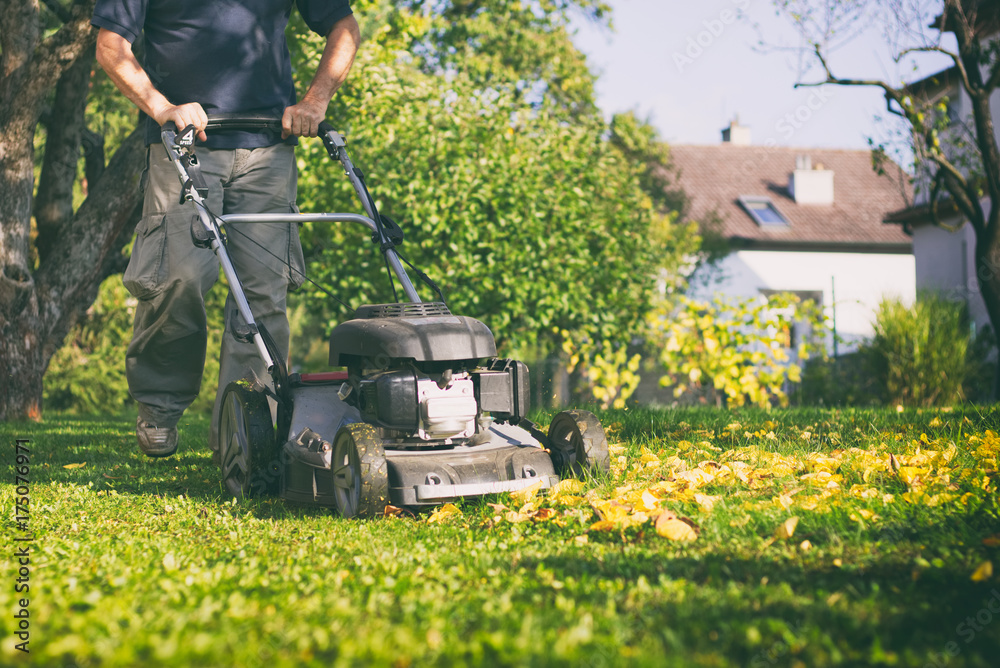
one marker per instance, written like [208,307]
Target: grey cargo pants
[170,276]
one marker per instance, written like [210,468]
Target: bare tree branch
[891,93]
[59,51]
[61,12]
[960,66]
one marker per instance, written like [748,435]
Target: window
[763,211]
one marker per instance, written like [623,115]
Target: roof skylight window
[763,211]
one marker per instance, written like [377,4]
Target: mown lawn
[802,537]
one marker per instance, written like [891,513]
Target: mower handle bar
[246,122]
[336,148]
[179,147]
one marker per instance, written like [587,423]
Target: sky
[692,67]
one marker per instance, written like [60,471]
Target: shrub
[923,354]
[737,349]
[840,381]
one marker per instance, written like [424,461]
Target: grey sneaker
[155,441]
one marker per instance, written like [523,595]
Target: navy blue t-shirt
[230,56]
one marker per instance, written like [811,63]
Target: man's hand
[303,119]
[184,115]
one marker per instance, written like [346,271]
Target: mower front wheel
[246,438]
[578,444]
[360,474]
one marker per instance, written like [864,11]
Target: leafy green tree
[956,156]
[524,205]
[476,127]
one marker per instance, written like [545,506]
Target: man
[204,57]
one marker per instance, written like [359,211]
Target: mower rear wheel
[360,474]
[246,439]
[578,444]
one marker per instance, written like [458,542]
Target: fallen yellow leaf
[522,496]
[911,474]
[695,477]
[787,528]
[610,510]
[567,486]
[603,525]
[648,501]
[983,572]
[670,527]
[75,465]
[649,458]
[444,513]
[515,517]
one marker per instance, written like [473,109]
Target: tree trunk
[39,305]
[87,250]
[988,275]
[64,126]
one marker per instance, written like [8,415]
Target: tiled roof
[715,177]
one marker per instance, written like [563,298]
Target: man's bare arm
[114,53]
[303,119]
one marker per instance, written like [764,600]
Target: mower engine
[417,372]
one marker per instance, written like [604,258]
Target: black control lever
[184,143]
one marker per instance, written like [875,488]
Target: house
[808,221]
[945,253]
[944,243]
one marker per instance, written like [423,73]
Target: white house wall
[860,281]
[945,262]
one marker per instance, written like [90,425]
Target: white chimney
[736,134]
[809,185]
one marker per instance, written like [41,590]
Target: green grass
[140,562]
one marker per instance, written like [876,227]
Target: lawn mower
[421,410]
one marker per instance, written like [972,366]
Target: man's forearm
[114,53]
[338,56]
[303,119]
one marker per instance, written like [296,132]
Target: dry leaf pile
[657,487]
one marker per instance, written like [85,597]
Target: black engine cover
[425,332]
